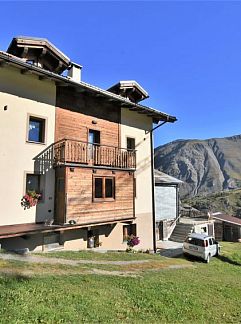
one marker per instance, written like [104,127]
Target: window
[103,188]
[36,130]
[94,136]
[130,143]
[128,230]
[33,182]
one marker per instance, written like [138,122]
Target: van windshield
[195,241]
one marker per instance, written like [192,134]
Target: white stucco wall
[23,95]
[134,125]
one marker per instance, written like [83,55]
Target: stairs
[180,232]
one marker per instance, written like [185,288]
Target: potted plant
[132,241]
[30,199]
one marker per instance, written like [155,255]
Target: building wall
[24,95]
[79,196]
[135,125]
[78,112]
[75,125]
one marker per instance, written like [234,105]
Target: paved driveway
[169,248]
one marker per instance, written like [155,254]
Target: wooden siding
[74,125]
[76,113]
[79,191]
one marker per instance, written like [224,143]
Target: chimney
[74,72]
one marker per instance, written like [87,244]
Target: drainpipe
[153,184]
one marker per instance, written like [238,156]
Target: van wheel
[208,258]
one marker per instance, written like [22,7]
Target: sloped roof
[131,89]
[227,219]
[34,42]
[8,59]
[161,177]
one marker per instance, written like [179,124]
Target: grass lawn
[202,293]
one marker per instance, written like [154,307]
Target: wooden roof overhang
[83,87]
[18,230]
[22,46]
[130,89]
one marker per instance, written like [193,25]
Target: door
[212,247]
[93,145]
[60,201]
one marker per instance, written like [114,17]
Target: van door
[212,247]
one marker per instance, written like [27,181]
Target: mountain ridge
[205,166]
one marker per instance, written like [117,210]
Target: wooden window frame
[130,138]
[103,198]
[94,130]
[44,130]
[41,184]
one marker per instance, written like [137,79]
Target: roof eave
[156,115]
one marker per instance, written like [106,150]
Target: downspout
[153,184]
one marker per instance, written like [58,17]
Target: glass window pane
[98,188]
[109,188]
[33,182]
[94,136]
[36,130]
[130,143]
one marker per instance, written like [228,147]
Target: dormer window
[130,90]
[39,51]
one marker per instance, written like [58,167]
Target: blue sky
[186,54]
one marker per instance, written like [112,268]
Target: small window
[104,188]
[99,188]
[94,137]
[33,182]
[211,241]
[109,188]
[128,230]
[36,130]
[130,143]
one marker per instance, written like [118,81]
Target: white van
[201,245]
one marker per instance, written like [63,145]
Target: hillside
[228,202]
[206,166]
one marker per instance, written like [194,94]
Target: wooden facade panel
[74,125]
[83,103]
[79,193]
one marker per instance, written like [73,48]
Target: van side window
[210,241]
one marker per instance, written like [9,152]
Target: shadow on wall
[43,165]
[52,240]
[30,242]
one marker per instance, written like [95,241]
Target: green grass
[92,255]
[204,293]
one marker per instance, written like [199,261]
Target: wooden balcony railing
[71,151]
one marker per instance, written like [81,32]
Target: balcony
[77,152]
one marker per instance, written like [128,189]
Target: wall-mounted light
[94,121]
[5,108]
[71,169]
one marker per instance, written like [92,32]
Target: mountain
[205,166]
[227,202]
